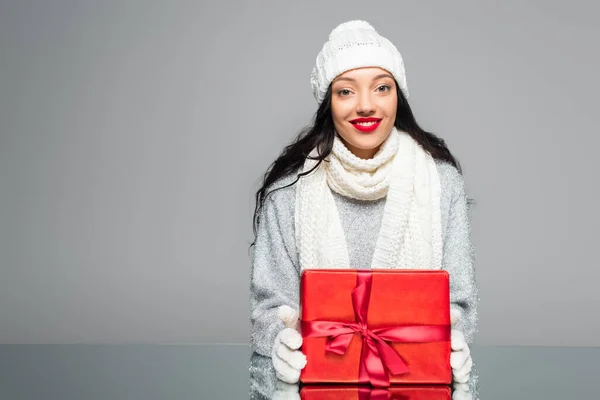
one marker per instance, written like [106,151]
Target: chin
[367,143]
[363,142]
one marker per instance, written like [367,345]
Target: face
[363,107]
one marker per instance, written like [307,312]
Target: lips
[366,124]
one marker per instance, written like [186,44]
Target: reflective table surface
[91,372]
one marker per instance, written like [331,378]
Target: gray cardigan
[275,276]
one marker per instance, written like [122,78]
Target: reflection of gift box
[376,326]
[328,392]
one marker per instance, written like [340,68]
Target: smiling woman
[364,187]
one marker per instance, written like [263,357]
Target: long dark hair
[321,135]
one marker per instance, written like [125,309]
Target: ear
[455,315]
[288,315]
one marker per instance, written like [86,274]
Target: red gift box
[368,393]
[375,326]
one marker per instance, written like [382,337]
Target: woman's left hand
[460,356]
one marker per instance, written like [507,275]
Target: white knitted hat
[351,45]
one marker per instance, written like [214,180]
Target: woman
[364,187]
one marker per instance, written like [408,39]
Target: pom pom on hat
[355,44]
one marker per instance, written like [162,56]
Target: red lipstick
[372,124]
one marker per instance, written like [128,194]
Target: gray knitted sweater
[275,276]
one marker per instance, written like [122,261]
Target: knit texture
[355,44]
[275,268]
[401,171]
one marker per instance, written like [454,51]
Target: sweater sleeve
[458,259]
[274,274]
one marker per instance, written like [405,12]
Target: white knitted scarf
[410,235]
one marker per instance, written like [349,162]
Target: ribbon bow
[377,356]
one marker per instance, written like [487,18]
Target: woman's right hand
[287,358]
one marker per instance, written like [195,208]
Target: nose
[365,105]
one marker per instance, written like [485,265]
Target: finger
[457,340]
[465,369]
[284,371]
[294,358]
[462,375]
[291,338]
[458,359]
[461,378]
[288,315]
[455,315]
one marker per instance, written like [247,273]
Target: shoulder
[452,181]
[281,194]
[282,188]
[448,172]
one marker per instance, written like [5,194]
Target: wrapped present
[375,326]
[413,392]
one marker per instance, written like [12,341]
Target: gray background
[133,134]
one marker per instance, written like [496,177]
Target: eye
[386,88]
[343,92]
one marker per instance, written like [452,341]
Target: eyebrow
[344,78]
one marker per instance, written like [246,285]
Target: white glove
[460,357]
[286,391]
[287,359]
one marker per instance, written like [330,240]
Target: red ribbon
[379,394]
[377,356]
